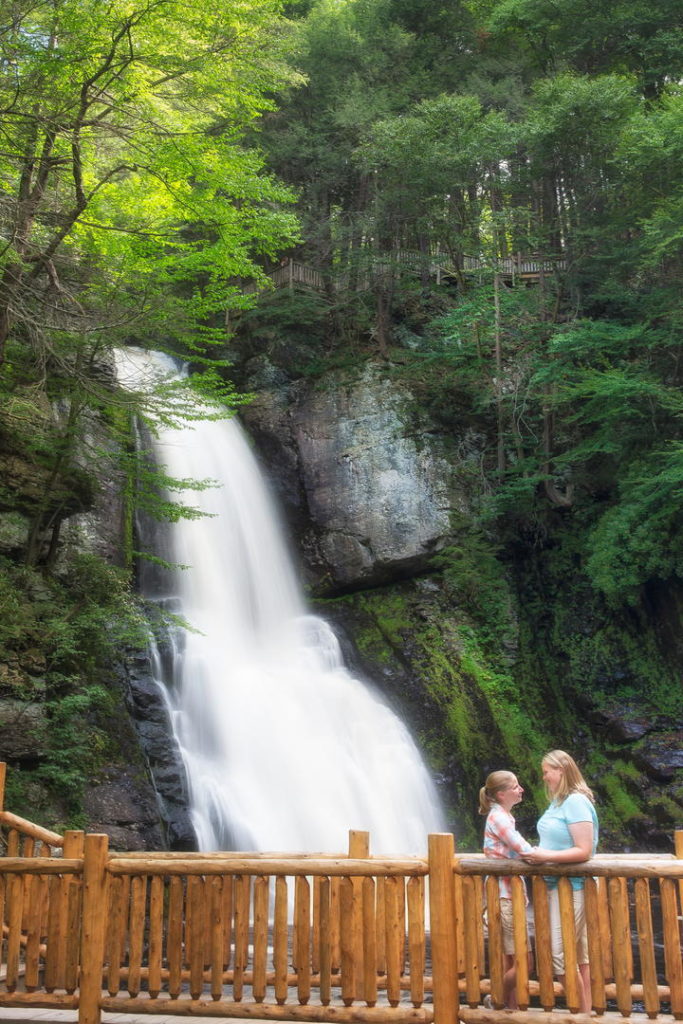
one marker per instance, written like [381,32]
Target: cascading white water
[284,749]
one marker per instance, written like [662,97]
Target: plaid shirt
[501,839]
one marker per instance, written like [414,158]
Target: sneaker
[488,1002]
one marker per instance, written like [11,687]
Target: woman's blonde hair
[495,783]
[572,780]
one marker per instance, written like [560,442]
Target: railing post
[359,849]
[442,928]
[93,927]
[678,848]
[3,773]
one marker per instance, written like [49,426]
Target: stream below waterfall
[283,747]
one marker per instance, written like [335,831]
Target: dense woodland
[158,157]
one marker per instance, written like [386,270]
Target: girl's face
[552,777]
[510,796]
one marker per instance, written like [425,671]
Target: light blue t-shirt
[553,828]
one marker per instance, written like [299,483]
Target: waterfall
[284,748]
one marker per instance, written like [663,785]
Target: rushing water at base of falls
[284,749]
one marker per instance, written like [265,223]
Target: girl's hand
[536,856]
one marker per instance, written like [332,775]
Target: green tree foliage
[122,129]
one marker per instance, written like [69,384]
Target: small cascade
[284,748]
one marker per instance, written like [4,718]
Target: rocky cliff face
[491,659]
[366,482]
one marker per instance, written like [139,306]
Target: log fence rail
[527,269]
[343,937]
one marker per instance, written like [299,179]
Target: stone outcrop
[367,483]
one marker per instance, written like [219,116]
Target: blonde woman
[568,834]
[497,797]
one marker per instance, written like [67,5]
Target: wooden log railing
[327,937]
[520,267]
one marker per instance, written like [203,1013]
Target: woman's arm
[582,837]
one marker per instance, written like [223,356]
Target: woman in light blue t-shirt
[568,834]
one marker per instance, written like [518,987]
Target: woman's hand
[537,856]
[582,837]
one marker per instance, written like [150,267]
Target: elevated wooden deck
[327,937]
[518,268]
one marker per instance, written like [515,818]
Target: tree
[121,124]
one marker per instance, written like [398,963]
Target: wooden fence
[291,273]
[322,937]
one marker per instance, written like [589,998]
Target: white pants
[556,929]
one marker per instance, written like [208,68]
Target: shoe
[487,1002]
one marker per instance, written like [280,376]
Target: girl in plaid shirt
[501,839]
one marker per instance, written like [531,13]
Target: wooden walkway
[525,269]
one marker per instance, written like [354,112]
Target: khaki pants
[556,929]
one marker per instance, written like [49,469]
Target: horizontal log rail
[328,937]
[248,865]
[31,831]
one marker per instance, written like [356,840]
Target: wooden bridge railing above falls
[322,937]
[523,268]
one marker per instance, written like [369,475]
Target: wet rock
[149,715]
[369,484]
[661,755]
[23,731]
[124,807]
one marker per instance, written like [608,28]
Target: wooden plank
[280,924]
[595,957]
[646,946]
[495,929]
[621,943]
[302,904]
[138,907]
[393,897]
[53,940]
[195,930]
[174,937]
[335,923]
[401,897]
[34,919]
[217,934]
[16,911]
[74,935]
[325,942]
[315,936]
[261,895]
[348,966]
[369,993]
[571,970]
[471,909]
[156,935]
[672,944]
[115,934]
[416,939]
[605,933]
[380,926]
[228,883]
[242,903]
[521,943]
[459,917]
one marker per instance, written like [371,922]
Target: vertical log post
[3,773]
[95,855]
[359,848]
[678,848]
[443,925]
